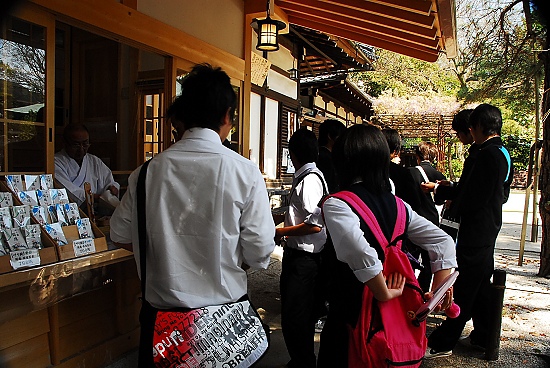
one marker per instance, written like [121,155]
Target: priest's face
[77,145]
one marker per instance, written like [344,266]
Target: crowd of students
[211,220]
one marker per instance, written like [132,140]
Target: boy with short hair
[305,237]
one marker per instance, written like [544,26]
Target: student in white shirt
[362,159]
[208,212]
[305,238]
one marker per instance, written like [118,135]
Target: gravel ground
[525,332]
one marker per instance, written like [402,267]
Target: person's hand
[395,283]
[445,303]
[113,190]
[278,236]
[427,187]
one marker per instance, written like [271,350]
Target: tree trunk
[544,206]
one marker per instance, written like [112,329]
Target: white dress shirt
[352,247]
[72,176]
[207,213]
[303,208]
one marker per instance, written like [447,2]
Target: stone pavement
[526,314]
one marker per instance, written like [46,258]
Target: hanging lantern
[268,32]
[293,74]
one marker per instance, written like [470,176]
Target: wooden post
[495,314]
[53,335]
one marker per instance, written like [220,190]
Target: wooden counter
[74,313]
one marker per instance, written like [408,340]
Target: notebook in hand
[438,295]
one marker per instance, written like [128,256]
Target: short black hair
[362,153]
[303,144]
[461,121]
[206,96]
[330,128]
[488,117]
[393,138]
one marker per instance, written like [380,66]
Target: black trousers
[299,298]
[472,294]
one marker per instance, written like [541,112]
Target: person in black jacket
[401,180]
[448,190]
[484,187]
[426,154]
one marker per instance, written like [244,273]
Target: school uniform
[301,264]
[359,261]
[426,208]
[484,187]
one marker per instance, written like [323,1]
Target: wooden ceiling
[418,28]
[321,54]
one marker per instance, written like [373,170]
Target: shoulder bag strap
[302,177]
[142,231]
[423,173]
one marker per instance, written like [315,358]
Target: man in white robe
[74,166]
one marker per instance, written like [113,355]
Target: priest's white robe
[73,177]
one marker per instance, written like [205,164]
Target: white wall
[217,22]
[271,138]
[280,83]
[255,101]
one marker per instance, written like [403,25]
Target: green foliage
[405,76]
[519,149]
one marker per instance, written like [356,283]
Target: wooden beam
[350,16]
[257,9]
[419,52]
[387,34]
[125,24]
[247,86]
[297,34]
[361,7]
[400,38]
[447,26]
[416,6]
[32,14]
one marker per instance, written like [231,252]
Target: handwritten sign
[83,247]
[259,69]
[24,258]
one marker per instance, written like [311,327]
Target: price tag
[24,258]
[83,247]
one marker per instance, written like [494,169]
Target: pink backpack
[386,333]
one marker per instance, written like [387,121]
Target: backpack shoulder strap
[400,222]
[366,214]
[508,161]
